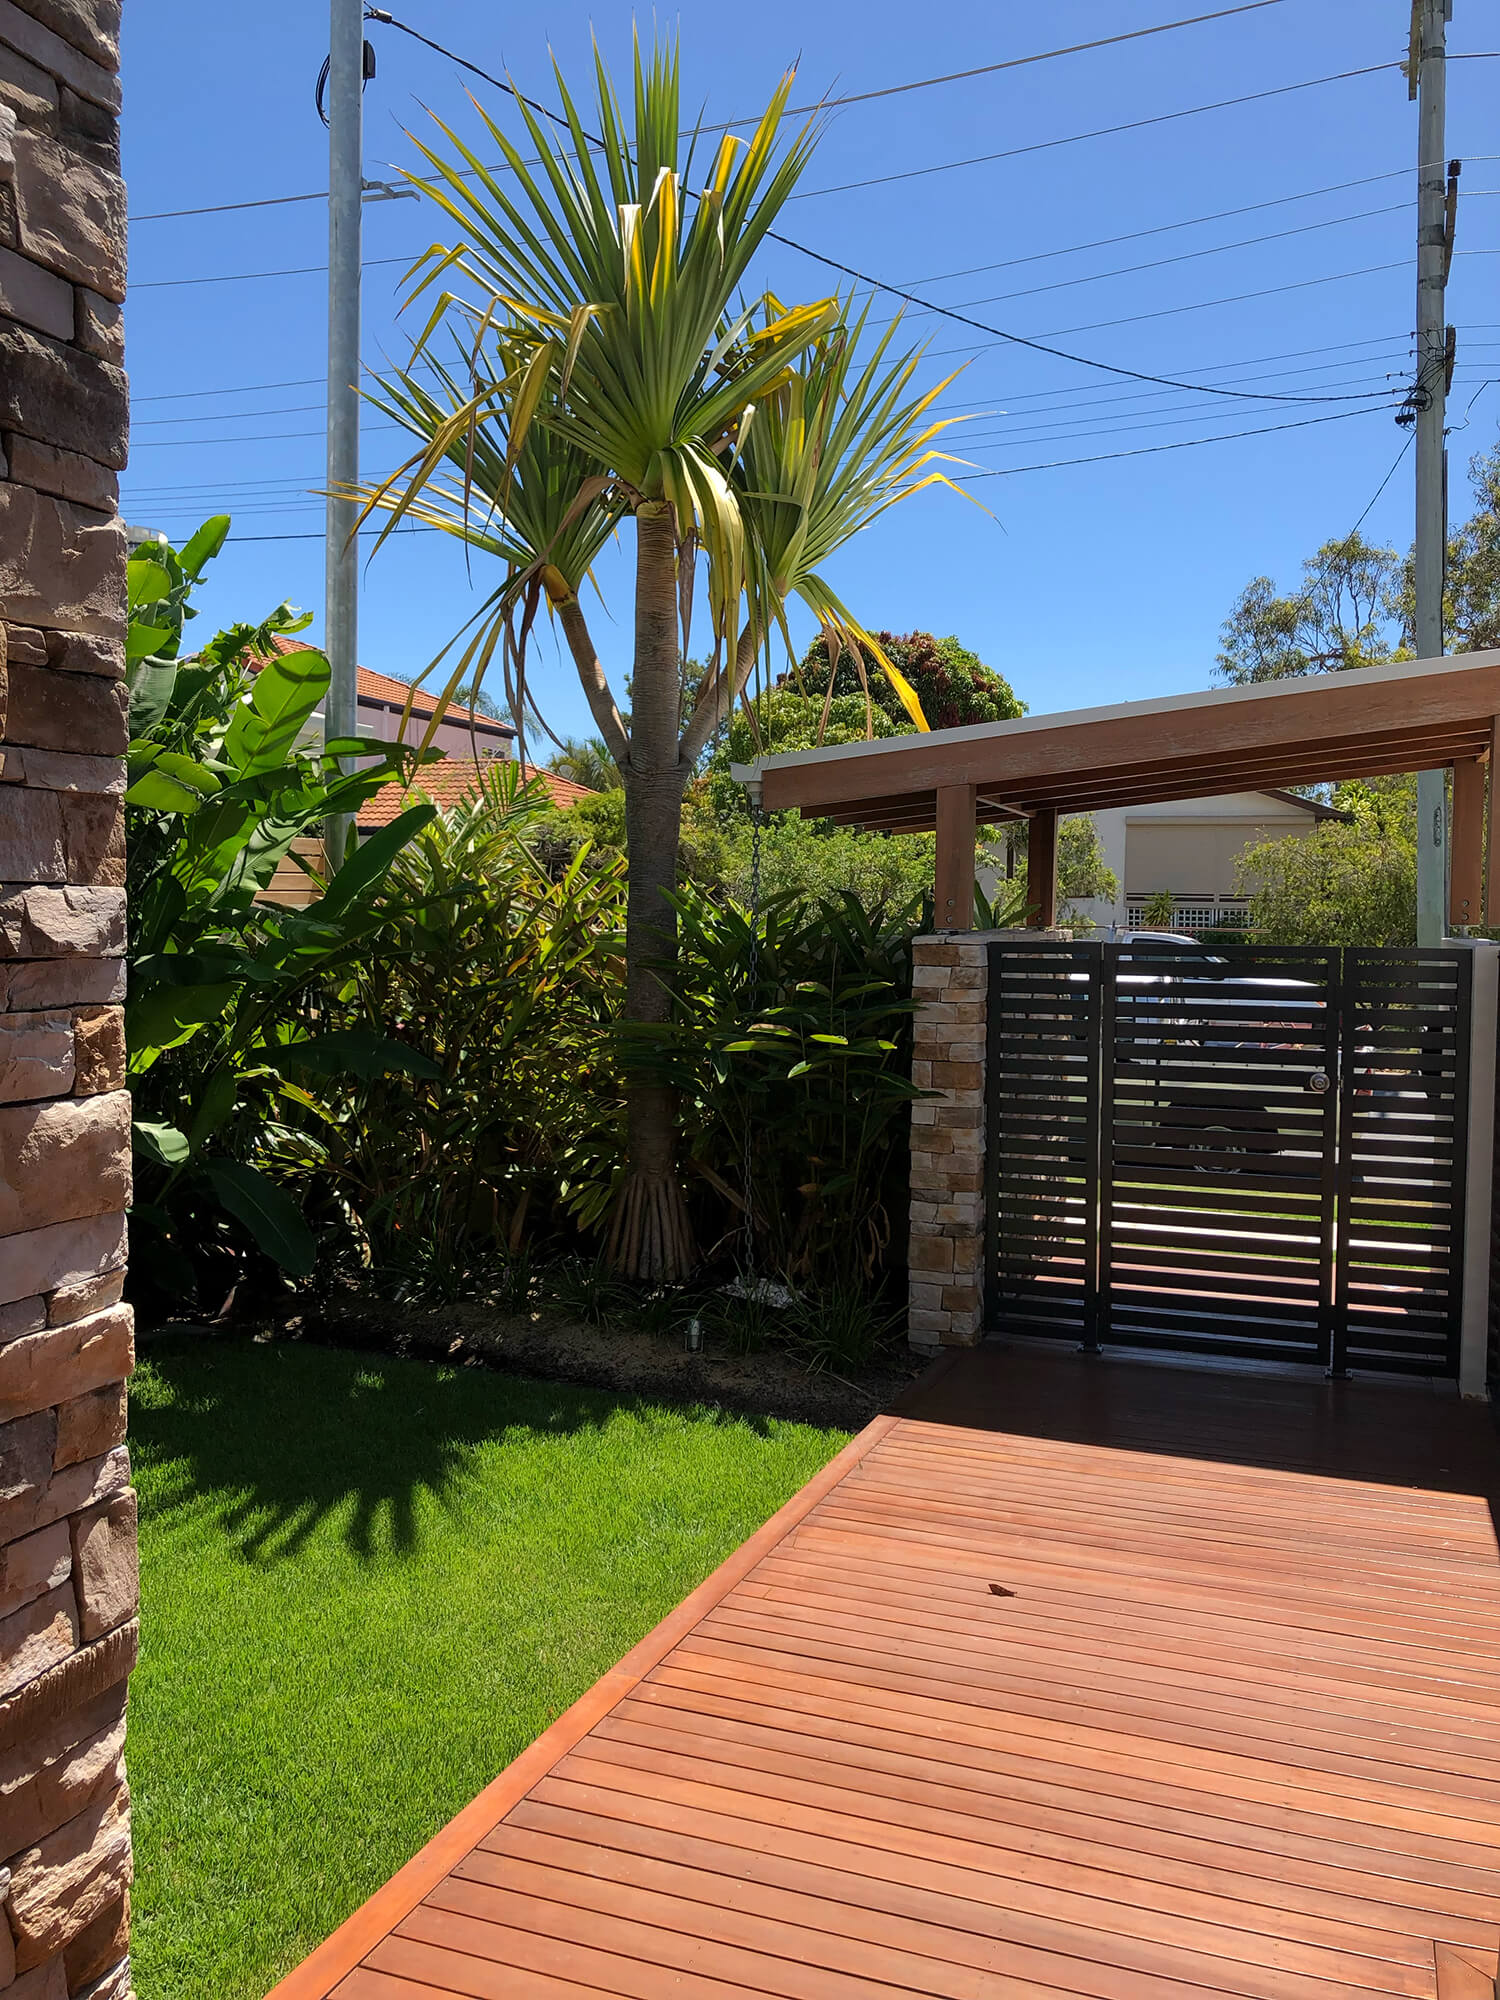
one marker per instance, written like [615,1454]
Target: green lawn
[366,1585]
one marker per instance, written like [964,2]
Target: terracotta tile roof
[452,782]
[385,688]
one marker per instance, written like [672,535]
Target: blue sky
[1087,583]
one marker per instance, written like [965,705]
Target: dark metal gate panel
[1218,1197]
[1244,1151]
[1042,1160]
[1403,1157]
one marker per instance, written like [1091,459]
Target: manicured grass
[366,1585]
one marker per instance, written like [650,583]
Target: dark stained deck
[1087,1678]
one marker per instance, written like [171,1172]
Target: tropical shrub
[789,1053]
[219,790]
[505,981]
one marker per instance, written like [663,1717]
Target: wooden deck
[1095,1679]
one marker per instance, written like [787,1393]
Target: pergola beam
[1141,785]
[1375,722]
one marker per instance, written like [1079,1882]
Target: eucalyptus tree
[608,371]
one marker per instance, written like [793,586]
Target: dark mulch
[546,1346]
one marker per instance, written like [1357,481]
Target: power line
[267,437]
[1099,132]
[1042,345]
[1248,361]
[860,96]
[994,472]
[860,277]
[1406,447]
[243,277]
[1185,256]
[1087,401]
[229,207]
[230,416]
[1148,450]
[237,389]
[1135,319]
[1193,222]
[912,298]
[733,124]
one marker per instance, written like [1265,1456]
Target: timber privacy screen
[1229,1149]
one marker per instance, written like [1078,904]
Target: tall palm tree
[610,371]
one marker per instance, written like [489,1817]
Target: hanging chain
[753,990]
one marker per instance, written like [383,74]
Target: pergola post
[1041,871]
[1466,863]
[1492,873]
[954,875]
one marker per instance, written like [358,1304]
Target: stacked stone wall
[68,1594]
[950,974]
[950,979]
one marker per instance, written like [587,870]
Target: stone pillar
[946,1248]
[950,977]
[67,1512]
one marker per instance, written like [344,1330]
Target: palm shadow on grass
[276,1437]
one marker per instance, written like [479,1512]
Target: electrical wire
[868,96]
[244,277]
[269,437]
[995,472]
[1410,439]
[1148,450]
[1098,132]
[310,381]
[228,416]
[861,277]
[1185,256]
[1167,312]
[1193,221]
[733,124]
[236,389]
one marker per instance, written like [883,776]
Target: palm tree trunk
[651,1237]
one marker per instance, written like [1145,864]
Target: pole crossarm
[1371,722]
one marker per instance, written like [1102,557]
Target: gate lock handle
[1320,1081]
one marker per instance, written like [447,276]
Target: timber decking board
[1229,1726]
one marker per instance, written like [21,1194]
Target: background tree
[477,699]
[952,683]
[614,374]
[1471,581]
[1357,603]
[1348,882]
[1341,617]
[586,760]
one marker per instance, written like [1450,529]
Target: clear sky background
[1091,582]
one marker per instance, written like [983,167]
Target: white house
[1189,850]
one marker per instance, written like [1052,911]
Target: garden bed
[619,1357]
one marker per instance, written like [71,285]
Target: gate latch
[1320,1081]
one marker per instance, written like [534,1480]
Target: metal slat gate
[1234,1150]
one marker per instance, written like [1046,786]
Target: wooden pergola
[1375,722]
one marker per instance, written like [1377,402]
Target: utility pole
[1429,83]
[346,78]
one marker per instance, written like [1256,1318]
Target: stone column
[950,977]
[946,1247]
[67,1512]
